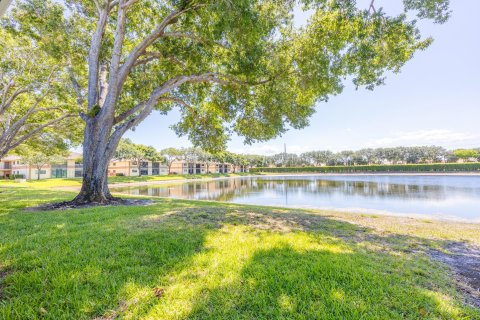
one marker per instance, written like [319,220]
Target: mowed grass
[77,182]
[179,259]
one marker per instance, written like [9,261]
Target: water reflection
[445,196]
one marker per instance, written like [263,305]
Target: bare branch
[372,7]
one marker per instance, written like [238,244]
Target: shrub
[120,175]
[17,176]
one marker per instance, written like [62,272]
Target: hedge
[434,167]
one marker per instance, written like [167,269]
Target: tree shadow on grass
[182,259]
[300,266]
[283,283]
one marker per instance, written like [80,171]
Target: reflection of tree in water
[228,189]
[358,188]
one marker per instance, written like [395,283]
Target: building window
[134,170]
[155,168]
[114,164]
[144,168]
[41,171]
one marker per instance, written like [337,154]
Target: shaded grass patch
[204,260]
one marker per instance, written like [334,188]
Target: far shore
[371,174]
[269,174]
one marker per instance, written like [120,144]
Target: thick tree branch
[168,86]
[117,48]
[103,84]
[129,4]
[191,36]
[35,131]
[76,87]
[121,117]
[151,56]
[150,39]
[93,58]
[5,105]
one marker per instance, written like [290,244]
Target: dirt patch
[67,205]
[464,261]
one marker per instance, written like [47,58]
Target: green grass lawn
[77,182]
[179,259]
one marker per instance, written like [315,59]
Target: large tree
[229,66]
[35,104]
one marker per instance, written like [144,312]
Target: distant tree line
[369,156]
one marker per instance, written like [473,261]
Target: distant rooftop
[72,155]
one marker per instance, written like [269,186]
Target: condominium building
[131,168]
[189,167]
[13,166]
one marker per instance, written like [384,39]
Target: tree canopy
[229,66]
[127,150]
[35,99]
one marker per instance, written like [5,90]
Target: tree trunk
[96,157]
[38,173]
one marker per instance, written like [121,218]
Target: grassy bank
[77,182]
[204,260]
[412,168]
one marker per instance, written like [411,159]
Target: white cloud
[440,137]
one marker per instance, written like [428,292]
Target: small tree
[207,158]
[39,160]
[136,152]
[171,155]
[466,154]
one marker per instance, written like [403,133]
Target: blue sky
[434,100]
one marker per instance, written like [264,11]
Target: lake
[442,197]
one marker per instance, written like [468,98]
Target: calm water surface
[444,197]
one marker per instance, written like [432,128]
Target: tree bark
[96,157]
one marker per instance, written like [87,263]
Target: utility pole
[284,154]
[4,5]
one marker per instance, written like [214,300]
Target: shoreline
[263,174]
[144,183]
